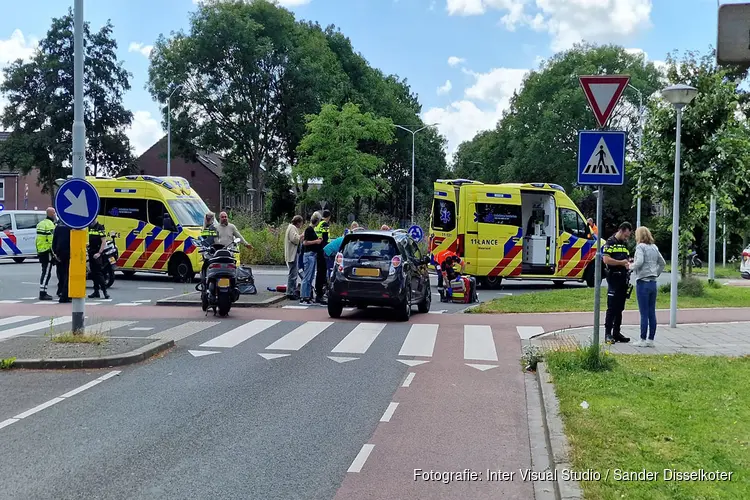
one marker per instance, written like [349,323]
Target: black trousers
[45,258]
[617,291]
[97,275]
[63,271]
[320,277]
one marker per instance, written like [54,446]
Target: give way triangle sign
[603,92]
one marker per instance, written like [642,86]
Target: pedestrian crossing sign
[601,157]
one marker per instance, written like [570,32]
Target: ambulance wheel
[181,269]
[19,260]
[492,282]
[589,275]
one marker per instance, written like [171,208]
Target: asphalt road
[281,409]
[19,282]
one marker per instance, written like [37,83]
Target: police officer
[61,251]
[617,260]
[320,279]
[210,234]
[97,244]
[44,232]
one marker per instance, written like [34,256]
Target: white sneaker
[649,343]
[640,343]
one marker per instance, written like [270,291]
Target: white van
[18,233]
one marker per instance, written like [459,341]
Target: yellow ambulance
[512,231]
[157,221]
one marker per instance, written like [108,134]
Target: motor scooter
[218,284]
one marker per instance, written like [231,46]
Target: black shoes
[44,296]
[618,337]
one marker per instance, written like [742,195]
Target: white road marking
[412,362]
[240,334]
[300,336]
[142,301]
[341,359]
[199,354]
[389,412]
[441,311]
[361,458]
[28,298]
[478,343]
[526,332]
[270,355]
[127,304]
[44,302]
[141,328]
[360,338]
[56,400]
[294,307]
[15,319]
[103,300]
[93,303]
[107,326]
[483,368]
[420,341]
[29,283]
[184,330]
[40,325]
[10,301]
[408,380]
[154,288]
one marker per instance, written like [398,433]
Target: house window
[2,189]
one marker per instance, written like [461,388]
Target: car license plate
[112,260]
[365,271]
[223,281]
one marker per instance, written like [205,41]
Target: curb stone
[174,301]
[558,446]
[538,442]
[128,358]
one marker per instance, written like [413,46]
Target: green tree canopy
[331,151]
[40,110]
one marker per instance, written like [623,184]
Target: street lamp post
[169,129]
[640,151]
[679,96]
[413,142]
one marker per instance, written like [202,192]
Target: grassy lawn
[730,271]
[658,412]
[582,299]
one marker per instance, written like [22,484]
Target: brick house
[204,175]
[18,191]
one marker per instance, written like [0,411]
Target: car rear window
[370,247]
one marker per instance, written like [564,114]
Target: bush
[689,287]
[589,358]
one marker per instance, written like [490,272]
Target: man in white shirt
[228,232]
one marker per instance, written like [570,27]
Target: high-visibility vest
[44,232]
[322,228]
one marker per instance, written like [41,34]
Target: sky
[464,58]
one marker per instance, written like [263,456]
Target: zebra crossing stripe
[240,334]
[15,319]
[300,336]
[41,325]
[360,339]
[478,343]
[420,341]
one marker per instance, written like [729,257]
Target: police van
[156,221]
[512,231]
[18,233]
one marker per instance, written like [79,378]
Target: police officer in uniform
[617,260]
[44,232]
[320,279]
[211,235]
[97,243]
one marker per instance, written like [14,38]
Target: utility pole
[413,143]
[640,153]
[712,240]
[78,237]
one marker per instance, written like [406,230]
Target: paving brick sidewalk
[714,339]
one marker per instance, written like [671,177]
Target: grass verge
[730,271]
[654,413]
[72,338]
[582,299]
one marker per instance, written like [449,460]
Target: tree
[715,149]
[40,109]
[331,151]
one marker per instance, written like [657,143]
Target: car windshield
[370,247]
[189,212]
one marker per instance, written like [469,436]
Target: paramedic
[44,231]
[617,260]
[454,266]
[210,235]
[592,225]
[321,229]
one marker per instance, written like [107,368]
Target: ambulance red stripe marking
[506,260]
[147,254]
[162,262]
[129,251]
[583,263]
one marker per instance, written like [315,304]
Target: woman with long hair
[647,266]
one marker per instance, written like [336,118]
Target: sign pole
[78,237]
[598,266]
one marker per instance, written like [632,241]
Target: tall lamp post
[169,129]
[679,95]
[413,136]
[640,151]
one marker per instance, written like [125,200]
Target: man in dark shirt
[97,243]
[311,246]
[617,260]
[321,277]
[61,251]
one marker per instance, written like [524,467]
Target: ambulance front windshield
[189,212]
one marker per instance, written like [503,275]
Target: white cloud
[566,21]
[445,88]
[17,46]
[481,108]
[139,47]
[660,64]
[455,61]
[144,131]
